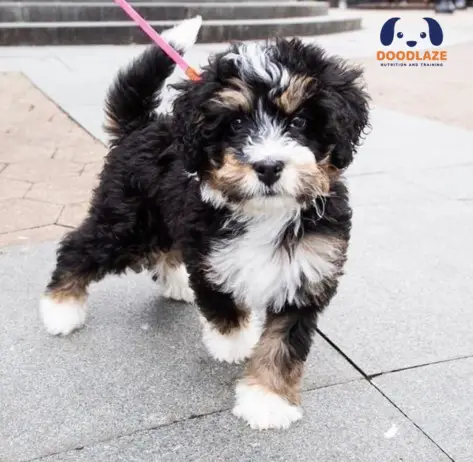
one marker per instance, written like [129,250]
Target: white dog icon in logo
[396,32]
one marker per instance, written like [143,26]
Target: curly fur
[275,251]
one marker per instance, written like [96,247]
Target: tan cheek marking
[312,177]
[230,173]
[330,170]
[295,94]
[271,365]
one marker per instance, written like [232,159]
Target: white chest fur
[259,274]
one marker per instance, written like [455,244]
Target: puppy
[235,200]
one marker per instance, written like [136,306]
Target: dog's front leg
[269,394]
[230,331]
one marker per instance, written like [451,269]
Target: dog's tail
[135,94]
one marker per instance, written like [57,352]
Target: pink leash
[153,35]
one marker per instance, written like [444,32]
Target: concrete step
[126,32]
[42,11]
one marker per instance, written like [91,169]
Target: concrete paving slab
[385,188]
[138,364]
[406,297]
[451,182]
[402,142]
[438,398]
[25,62]
[350,422]
[63,87]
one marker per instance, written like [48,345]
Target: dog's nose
[268,172]
[411,43]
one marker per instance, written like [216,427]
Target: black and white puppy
[238,191]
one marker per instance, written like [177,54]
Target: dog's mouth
[299,189]
[235,182]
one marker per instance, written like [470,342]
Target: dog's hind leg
[171,276]
[85,255]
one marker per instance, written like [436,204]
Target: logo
[411,43]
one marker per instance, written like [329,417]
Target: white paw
[183,294]
[234,347]
[263,409]
[62,317]
[175,284]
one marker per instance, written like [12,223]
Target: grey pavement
[350,422]
[390,377]
[438,398]
[138,364]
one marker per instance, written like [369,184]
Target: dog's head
[279,119]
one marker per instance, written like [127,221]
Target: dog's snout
[268,171]
[411,43]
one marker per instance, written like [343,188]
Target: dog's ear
[387,31]
[435,31]
[349,109]
[338,97]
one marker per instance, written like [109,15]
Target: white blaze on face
[268,142]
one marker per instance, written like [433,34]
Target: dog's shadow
[130,311]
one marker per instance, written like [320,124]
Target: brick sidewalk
[48,165]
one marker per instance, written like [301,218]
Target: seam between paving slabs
[417,366]
[167,424]
[124,435]
[369,378]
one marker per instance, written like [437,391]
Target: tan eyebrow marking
[239,96]
[295,94]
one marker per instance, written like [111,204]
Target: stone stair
[45,22]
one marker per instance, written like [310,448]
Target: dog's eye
[298,123]
[236,124]
[400,35]
[423,35]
